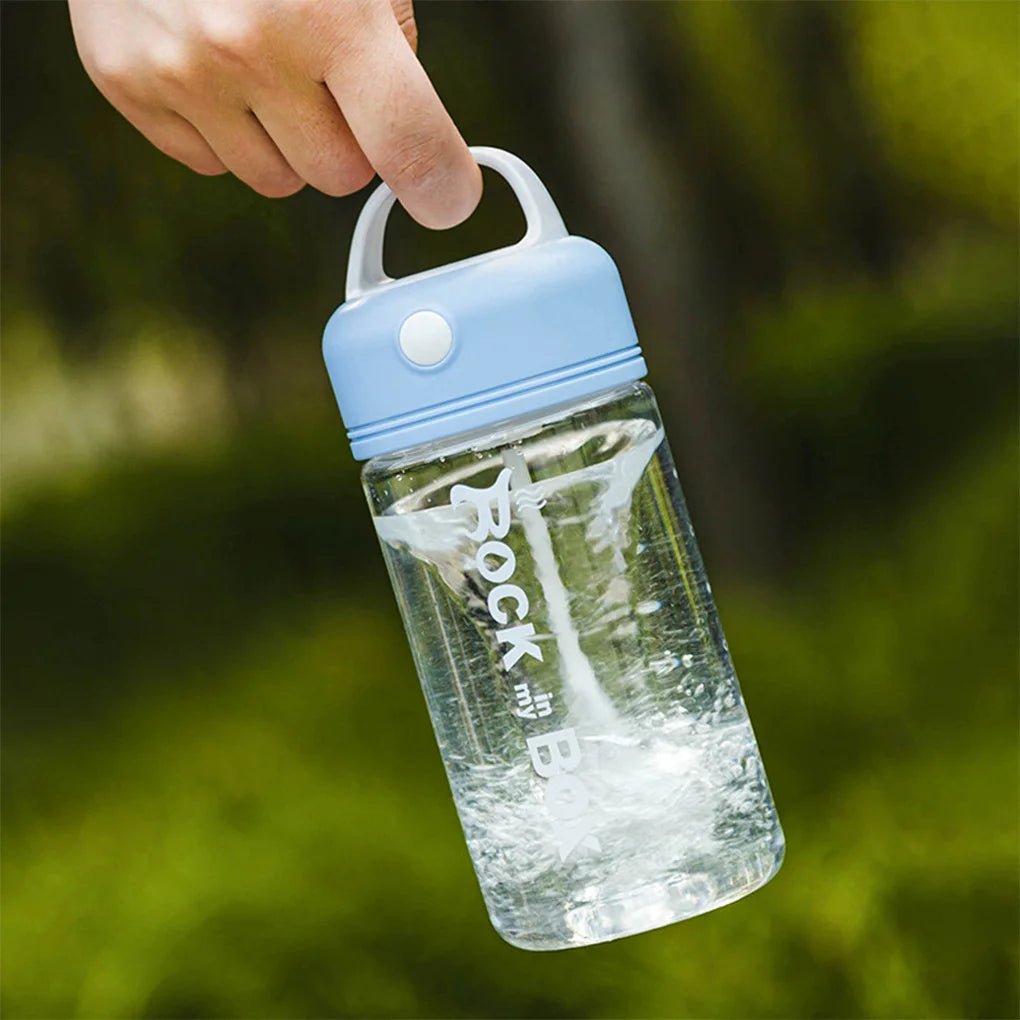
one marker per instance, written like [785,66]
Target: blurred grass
[249,817]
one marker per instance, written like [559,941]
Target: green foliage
[258,824]
[941,79]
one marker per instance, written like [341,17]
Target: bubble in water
[664,664]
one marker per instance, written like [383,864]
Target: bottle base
[643,909]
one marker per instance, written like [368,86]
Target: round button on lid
[425,338]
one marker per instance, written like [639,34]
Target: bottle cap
[451,350]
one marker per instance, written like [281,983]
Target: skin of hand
[284,93]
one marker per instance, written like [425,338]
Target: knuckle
[168,67]
[173,66]
[203,164]
[276,183]
[415,164]
[233,38]
[344,181]
[339,173]
[403,10]
[206,165]
[112,72]
[348,31]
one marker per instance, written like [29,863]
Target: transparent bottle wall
[598,748]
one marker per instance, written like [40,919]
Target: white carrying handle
[544,223]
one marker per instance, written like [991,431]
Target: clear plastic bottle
[655,806]
[583,698]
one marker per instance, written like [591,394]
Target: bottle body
[588,715]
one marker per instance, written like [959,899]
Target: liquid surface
[662,809]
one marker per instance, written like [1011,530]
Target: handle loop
[544,223]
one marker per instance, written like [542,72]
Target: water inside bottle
[670,814]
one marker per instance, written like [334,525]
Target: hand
[282,93]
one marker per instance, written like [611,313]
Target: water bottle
[588,715]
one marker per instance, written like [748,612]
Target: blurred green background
[814,209]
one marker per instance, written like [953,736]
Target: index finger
[401,124]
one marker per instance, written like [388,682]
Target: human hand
[282,93]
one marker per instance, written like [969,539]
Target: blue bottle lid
[451,350]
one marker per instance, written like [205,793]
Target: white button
[425,338]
